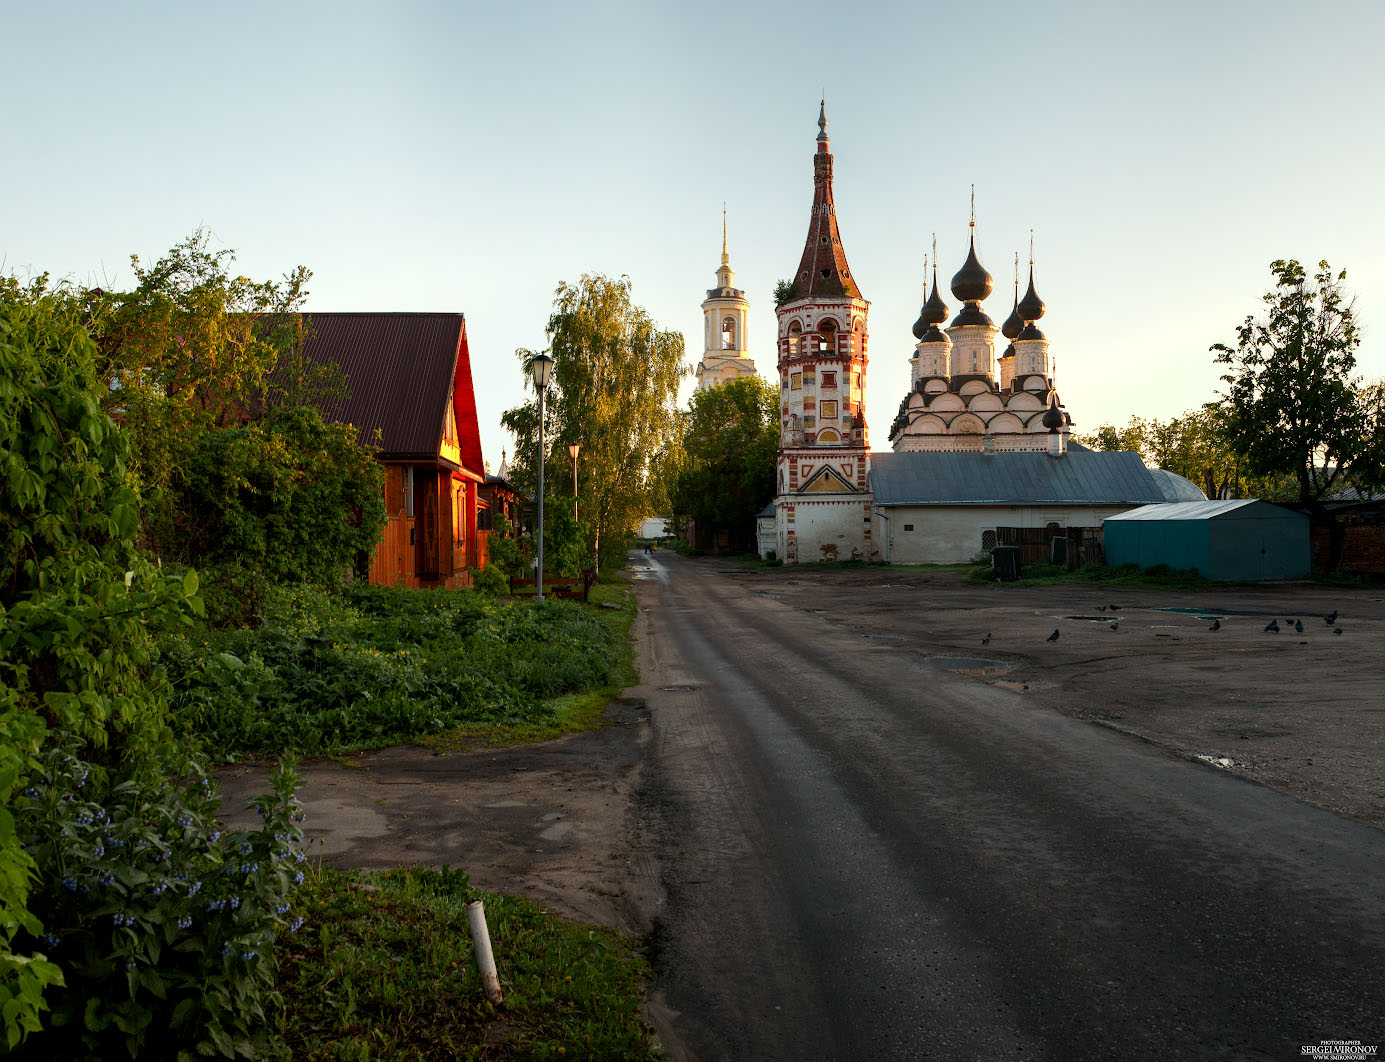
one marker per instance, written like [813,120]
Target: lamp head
[573,448]
[539,368]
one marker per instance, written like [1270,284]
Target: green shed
[1241,540]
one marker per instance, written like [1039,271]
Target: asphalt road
[867,857]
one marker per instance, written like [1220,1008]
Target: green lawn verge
[383,969]
[326,672]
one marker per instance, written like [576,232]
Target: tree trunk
[1318,516]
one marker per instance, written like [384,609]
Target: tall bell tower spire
[823,502]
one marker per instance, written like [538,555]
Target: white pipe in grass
[481,944]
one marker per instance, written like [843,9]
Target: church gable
[826,481]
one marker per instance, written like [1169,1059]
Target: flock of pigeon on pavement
[1272,626]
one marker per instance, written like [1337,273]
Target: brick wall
[1363,550]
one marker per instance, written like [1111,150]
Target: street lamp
[572,449]
[539,368]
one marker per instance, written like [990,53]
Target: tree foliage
[731,436]
[104,823]
[290,496]
[1293,404]
[1193,446]
[190,349]
[613,389]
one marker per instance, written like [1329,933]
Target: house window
[796,380]
[908,527]
[408,490]
[829,379]
[728,333]
[987,540]
[829,409]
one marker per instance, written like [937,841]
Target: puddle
[979,666]
[889,639]
[677,689]
[1213,613]
[1097,619]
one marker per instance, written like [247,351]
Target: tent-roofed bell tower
[724,315]
[822,500]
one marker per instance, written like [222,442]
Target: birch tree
[613,390]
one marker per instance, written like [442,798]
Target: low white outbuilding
[945,508]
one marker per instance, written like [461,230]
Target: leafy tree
[731,437]
[1293,404]
[192,348]
[290,496]
[108,833]
[1193,446]
[613,389]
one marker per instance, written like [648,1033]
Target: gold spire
[1031,248]
[725,259]
[973,207]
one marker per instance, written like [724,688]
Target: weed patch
[384,970]
[370,666]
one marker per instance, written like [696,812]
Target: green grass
[324,673]
[569,714]
[383,970]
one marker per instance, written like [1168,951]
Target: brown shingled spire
[823,269]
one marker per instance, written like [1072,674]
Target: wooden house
[408,382]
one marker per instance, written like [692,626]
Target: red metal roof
[400,369]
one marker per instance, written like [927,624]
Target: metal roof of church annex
[1078,477]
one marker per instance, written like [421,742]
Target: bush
[371,665]
[490,581]
[88,760]
[169,920]
[291,497]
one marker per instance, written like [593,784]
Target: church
[980,444]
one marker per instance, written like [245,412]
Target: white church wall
[943,534]
[824,528]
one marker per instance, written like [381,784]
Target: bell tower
[823,500]
[724,314]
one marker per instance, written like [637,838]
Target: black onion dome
[971,314]
[1053,419]
[933,335]
[971,283]
[920,326]
[1009,351]
[1014,323]
[935,310]
[1031,307]
[1031,331]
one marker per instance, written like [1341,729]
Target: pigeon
[1115,625]
[1054,636]
[1336,630]
[1298,626]
[1330,620]
[1115,608]
[1101,608]
[986,640]
[1216,625]
[1272,625]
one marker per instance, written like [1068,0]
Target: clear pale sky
[467,157]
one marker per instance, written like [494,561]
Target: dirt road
[852,827]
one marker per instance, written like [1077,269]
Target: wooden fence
[1079,545]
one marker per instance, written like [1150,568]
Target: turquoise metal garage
[1242,540]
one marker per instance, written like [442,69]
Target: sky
[469,157]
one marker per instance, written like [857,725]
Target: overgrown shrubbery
[371,664]
[101,832]
[290,497]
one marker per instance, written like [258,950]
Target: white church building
[980,443]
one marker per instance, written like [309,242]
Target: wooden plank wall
[393,562]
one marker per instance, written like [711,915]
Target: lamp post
[572,449]
[539,368]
